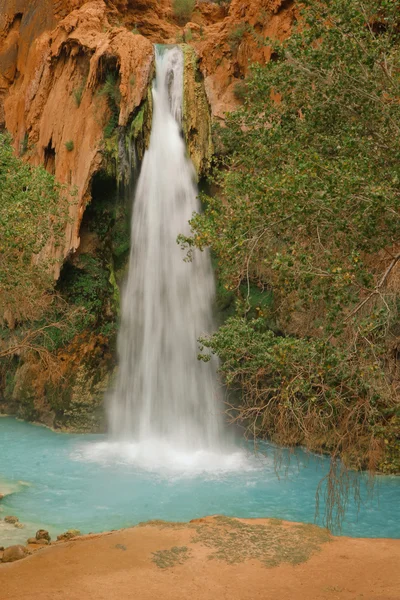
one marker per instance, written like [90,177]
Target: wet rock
[11,519]
[71,533]
[40,542]
[13,553]
[42,534]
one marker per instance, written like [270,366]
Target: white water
[166,399]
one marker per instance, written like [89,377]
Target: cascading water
[163,392]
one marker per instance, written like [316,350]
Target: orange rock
[53,58]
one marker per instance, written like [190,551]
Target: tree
[306,231]
[33,214]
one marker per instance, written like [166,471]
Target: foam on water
[159,456]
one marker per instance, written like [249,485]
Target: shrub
[69,145]
[77,93]
[237,34]
[33,213]
[239,91]
[183,9]
[110,90]
[309,208]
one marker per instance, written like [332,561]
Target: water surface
[64,481]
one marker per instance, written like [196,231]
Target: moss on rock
[196,114]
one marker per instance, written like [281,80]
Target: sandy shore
[209,559]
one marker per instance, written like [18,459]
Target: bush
[183,9]
[110,90]
[69,145]
[77,93]
[33,213]
[309,209]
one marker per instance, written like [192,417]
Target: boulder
[40,542]
[11,519]
[71,533]
[13,553]
[42,534]
[19,525]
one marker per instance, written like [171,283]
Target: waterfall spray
[163,391]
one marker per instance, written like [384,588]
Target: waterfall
[163,392]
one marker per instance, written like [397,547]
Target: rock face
[231,45]
[62,75]
[13,553]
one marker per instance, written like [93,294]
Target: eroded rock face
[230,46]
[54,55]
[53,109]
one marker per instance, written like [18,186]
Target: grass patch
[163,524]
[77,93]
[165,559]
[234,542]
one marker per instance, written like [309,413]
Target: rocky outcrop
[230,46]
[55,55]
[68,535]
[62,76]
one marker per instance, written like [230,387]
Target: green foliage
[24,144]
[183,9]
[33,214]
[237,34]
[309,209]
[77,93]
[86,284]
[69,145]
[240,91]
[110,90]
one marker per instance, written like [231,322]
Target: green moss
[196,113]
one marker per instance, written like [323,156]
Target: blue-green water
[88,483]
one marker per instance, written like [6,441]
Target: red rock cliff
[54,53]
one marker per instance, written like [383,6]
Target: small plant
[110,89]
[69,145]
[23,148]
[183,9]
[135,31]
[78,93]
[239,91]
[236,35]
[165,559]
[132,80]
[188,35]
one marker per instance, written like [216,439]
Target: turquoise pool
[61,481]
